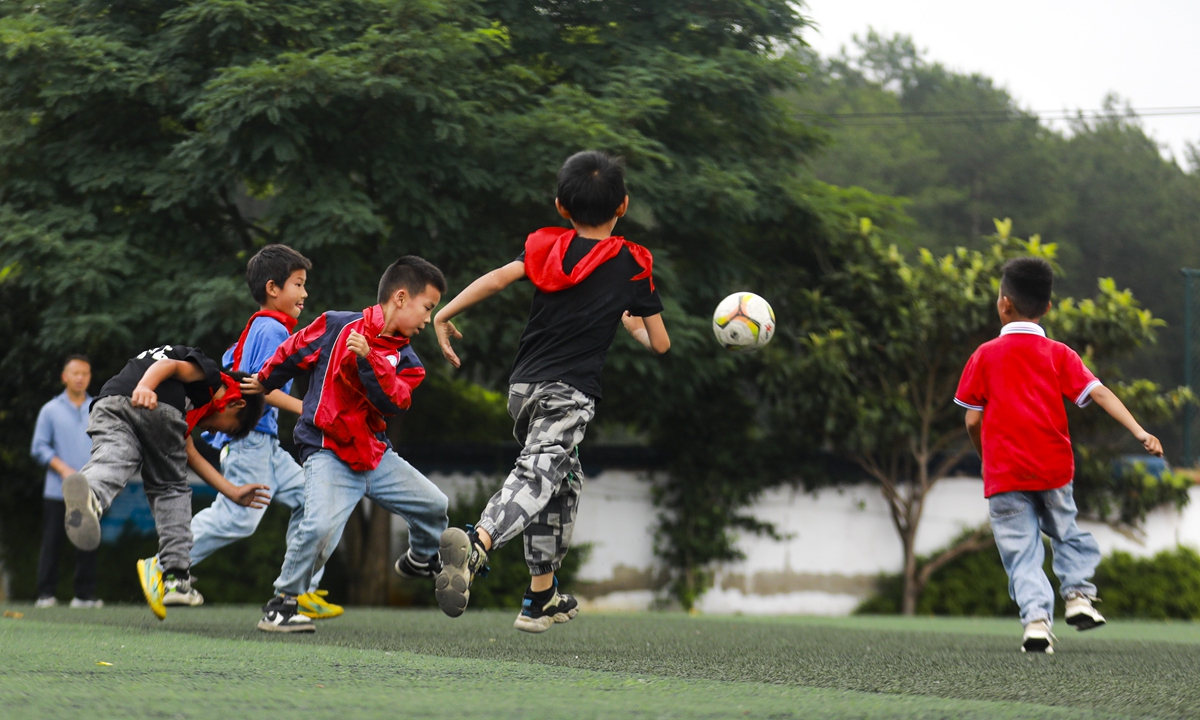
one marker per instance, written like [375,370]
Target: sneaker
[180,592]
[46,602]
[462,558]
[81,604]
[408,566]
[282,615]
[1038,638]
[558,609]
[1081,613]
[313,605]
[82,520]
[150,575]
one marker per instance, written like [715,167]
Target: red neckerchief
[288,321]
[233,391]
[545,249]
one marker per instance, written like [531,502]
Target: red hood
[545,249]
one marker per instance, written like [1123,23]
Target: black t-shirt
[180,395]
[569,331]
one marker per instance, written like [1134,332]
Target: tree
[887,342]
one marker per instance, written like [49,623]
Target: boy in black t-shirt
[588,282]
[143,419]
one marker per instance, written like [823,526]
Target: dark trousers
[53,514]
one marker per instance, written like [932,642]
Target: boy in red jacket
[1013,389]
[361,368]
[588,283]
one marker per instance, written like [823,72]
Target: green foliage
[508,578]
[1165,586]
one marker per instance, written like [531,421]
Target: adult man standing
[62,445]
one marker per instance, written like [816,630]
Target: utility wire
[961,117]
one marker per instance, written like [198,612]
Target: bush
[1166,586]
[505,585]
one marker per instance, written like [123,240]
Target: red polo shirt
[1018,381]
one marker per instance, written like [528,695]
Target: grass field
[211,663]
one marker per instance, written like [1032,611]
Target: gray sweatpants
[126,439]
[540,497]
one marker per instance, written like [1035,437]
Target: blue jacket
[61,432]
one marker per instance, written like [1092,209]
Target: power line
[960,117]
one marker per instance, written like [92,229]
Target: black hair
[274,262]
[1028,282]
[72,358]
[413,274]
[251,413]
[591,186]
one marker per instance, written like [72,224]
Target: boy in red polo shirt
[1013,389]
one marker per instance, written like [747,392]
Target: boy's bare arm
[483,288]
[975,430]
[649,331]
[144,395]
[283,401]
[1112,404]
[252,496]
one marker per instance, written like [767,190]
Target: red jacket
[348,397]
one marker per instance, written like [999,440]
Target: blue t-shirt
[264,338]
[61,432]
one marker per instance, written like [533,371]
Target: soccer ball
[743,321]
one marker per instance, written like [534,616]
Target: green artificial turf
[211,663]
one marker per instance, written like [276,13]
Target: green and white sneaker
[538,618]
[462,557]
[181,592]
[82,520]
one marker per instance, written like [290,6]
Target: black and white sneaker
[538,617]
[283,615]
[82,519]
[1081,614]
[462,558]
[409,566]
[1038,638]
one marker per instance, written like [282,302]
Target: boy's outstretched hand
[1151,443]
[251,496]
[251,385]
[446,330]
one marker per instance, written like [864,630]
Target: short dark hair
[72,358]
[274,262]
[591,186]
[1028,282]
[249,415]
[413,274]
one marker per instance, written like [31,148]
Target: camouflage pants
[540,497]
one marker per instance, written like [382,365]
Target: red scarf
[288,321]
[545,249]
[233,391]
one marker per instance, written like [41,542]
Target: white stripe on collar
[1023,327]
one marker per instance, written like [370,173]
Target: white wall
[840,540]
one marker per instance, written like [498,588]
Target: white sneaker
[80,604]
[1081,613]
[181,592]
[1038,638]
[46,602]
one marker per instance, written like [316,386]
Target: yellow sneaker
[313,605]
[150,575]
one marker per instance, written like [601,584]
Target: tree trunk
[912,583]
[367,539]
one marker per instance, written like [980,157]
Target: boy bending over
[1013,389]
[587,284]
[361,369]
[144,418]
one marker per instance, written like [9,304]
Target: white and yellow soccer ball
[744,321]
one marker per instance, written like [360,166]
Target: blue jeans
[1018,521]
[332,489]
[256,458]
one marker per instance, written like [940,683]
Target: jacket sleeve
[388,388]
[296,355]
[42,448]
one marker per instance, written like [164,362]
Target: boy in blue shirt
[276,276]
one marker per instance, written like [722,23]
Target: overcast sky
[1049,54]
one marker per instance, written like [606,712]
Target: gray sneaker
[462,559]
[83,512]
[46,602]
[181,592]
[81,604]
